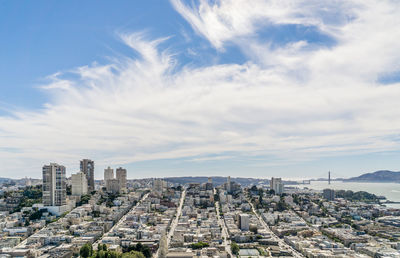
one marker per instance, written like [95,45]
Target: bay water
[390,190]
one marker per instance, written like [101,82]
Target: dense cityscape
[199,128]
[116,217]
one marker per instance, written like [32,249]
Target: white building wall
[79,184]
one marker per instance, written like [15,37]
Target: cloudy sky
[168,88]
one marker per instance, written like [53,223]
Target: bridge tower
[329,177]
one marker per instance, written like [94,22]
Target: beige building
[159,185]
[112,185]
[54,185]
[108,174]
[121,177]
[79,184]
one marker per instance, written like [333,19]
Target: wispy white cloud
[290,102]
[224,21]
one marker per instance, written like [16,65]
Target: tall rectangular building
[276,185]
[54,185]
[228,185]
[121,177]
[79,184]
[108,174]
[158,185]
[244,221]
[329,194]
[112,185]
[209,184]
[87,167]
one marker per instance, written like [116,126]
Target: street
[281,242]
[174,222]
[121,220]
[224,231]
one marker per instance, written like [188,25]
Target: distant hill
[219,180]
[381,176]
[5,180]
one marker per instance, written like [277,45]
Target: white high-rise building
[54,185]
[79,184]
[244,222]
[121,177]
[108,174]
[276,185]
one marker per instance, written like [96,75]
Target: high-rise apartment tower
[79,184]
[276,185]
[121,177]
[87,167]
[108,174]
[54,185]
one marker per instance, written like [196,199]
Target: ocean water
[390,190]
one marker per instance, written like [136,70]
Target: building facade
[54,185]
[158,185]
[276,185]
[209,184]
[228,185]
[329,194]
[87,167]
[121,177]
[108,174]
[112,185]
[244,221]
[79,184]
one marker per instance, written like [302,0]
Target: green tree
[133,254]
[99,254]
[235,248]
[85,199]
[271,192]
[281,206]
[69,189]
[139,247]
[146,252]
[296,199]
[199,245]
[86,250]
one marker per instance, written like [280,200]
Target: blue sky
[169,88]
[44,37]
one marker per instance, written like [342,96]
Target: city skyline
[226,88]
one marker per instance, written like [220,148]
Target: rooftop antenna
[329,177]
